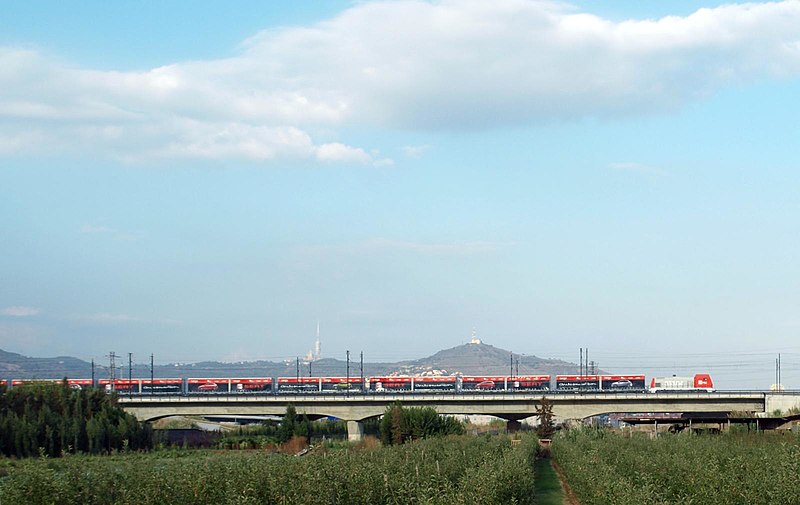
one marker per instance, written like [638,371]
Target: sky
[204,181]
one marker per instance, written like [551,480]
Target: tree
[55,419]
[544,412]
[302,427]
[286,429]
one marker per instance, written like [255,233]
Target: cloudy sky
[202,181]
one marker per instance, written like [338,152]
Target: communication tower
[316,353]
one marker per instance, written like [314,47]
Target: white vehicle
[700,382]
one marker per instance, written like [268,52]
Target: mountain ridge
[466,359]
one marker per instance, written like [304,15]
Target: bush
[400,424]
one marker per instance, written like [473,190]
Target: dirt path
[569,495]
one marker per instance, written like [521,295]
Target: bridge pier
[355,431]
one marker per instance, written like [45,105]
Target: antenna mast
[317,345]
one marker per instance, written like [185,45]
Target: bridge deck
[514,406]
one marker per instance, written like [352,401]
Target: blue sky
[203,182]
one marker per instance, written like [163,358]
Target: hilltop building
[475,340]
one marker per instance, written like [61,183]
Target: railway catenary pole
[297,370]
[112,368]
[92,372]
[130,374]
[362,371]
[511,373]
[580,367]
[348,371]
[151,374]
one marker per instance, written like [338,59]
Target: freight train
[461,384]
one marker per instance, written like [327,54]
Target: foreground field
[453,470]
[606,469]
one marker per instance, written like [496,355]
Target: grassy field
[454,470]
[547,486]
[604,468]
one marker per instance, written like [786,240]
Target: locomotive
[452,384]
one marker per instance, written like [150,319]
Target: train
[452,384]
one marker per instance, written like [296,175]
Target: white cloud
[415,151]
[95,229]
[403,64]
[340,152]
[19,311]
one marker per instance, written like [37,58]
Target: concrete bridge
[355,408]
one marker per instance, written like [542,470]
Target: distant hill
[467,359]
[483,359]
[13,365]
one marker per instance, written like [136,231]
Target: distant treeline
[54,419]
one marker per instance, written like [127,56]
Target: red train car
[622,383]
[80,383]
[160,386]
[473,383]
[700,382]
[73,383]
[121,385]
[397,384]
[400,384]
[143,386]
[577,382]
[340,384]
[210,385]
[251,385]
[529,383]
[437,384]
[298,385]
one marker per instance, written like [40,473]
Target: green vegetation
[291,426]
[53,419]
[447,470]
[604,468]
[401,424]
[544,412]
[547,486]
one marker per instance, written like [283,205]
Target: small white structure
[475,340]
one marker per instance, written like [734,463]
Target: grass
[547,487]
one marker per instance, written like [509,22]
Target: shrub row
[451,470]
[605,468]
